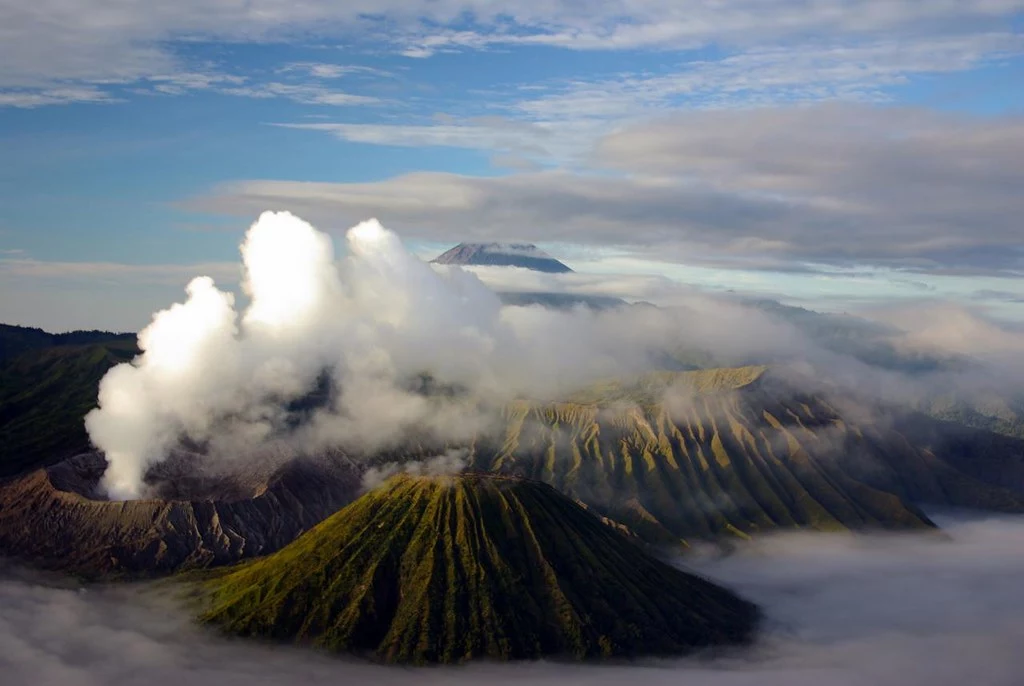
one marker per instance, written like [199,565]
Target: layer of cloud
[795,73]
[114,273]
[307,94]
[557,122]
[842,611]
[631,287]
[59,43]
[666,25]
[452,462]
[475,133]
[60,95]
[935,326]
[331,70]
[114,296]
[839,184]
[60,295]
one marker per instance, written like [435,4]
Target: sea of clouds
[941,609]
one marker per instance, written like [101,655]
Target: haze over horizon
[838,154]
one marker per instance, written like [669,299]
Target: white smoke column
[290,274]
[203,376]
[144,406]
[374,322]
[444,321]
[195,368]
[293,286]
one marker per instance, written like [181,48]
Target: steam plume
[224,378]
[364,331]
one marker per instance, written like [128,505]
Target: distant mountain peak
[524,255]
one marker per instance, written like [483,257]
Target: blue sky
[831,153]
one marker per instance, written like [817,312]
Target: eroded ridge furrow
[474,566]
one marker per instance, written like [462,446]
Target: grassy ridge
[447,569]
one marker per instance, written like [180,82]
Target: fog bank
[902,610]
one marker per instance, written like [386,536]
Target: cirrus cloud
[57,43]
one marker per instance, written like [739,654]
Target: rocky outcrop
[52,517]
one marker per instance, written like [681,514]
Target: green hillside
[44,396]
[446,569]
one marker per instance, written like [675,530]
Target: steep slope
[44,394]
[523,255]
[51,517]
[446,569]
[730,452]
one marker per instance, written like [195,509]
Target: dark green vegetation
[48,382]
[15,340]
[446,569]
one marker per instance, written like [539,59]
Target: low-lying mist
[380,332]
[899,610]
